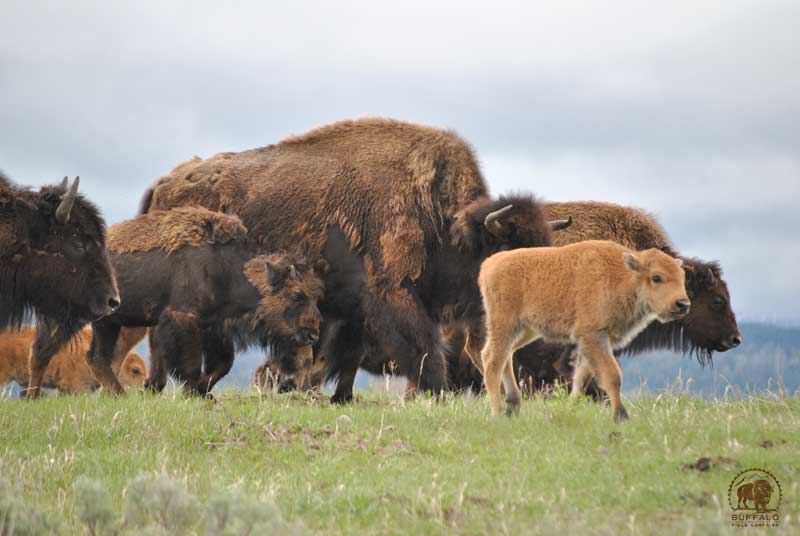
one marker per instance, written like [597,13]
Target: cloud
[687,109]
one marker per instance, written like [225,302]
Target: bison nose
[113,303]
[682,306]
[735,341]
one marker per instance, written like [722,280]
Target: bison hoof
[341,398]
[512,409]
[621,414]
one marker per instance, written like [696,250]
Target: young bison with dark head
[597,295]
[189,275]
[53,263]
[69,370]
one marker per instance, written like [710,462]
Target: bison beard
[399,211]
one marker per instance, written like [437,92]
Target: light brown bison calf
[595,294]
[69,369]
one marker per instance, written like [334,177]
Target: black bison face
[69,260]
[510,222]
[711,324]
[290,291]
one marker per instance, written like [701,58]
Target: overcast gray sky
[687,109]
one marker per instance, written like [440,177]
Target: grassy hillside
[295,464]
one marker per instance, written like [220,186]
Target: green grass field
[297,464]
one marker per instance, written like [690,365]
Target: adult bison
[401,213]
[53,262]
[709,327]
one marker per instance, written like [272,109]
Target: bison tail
[147,200]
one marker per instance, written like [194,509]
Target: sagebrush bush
[94,507]
[19,519]
[160,503]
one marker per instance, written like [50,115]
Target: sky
[686,109]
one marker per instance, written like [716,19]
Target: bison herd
[357,245]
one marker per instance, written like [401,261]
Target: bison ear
[631,261]
[275,276]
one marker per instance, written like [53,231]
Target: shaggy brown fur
[325,167]
[69,370]
[173,229]
[398,210]
[596,294]
[593,220]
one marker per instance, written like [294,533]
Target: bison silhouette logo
[755,498]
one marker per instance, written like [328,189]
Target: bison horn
[292,271]
[493,225]
[559,225]
[65,207]
[64,184]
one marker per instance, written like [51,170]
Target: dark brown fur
[54,263]
[203,293]
[398,211]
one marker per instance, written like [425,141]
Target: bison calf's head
[290,289]
[133,372]
[663,283]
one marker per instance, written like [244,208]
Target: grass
[384,466]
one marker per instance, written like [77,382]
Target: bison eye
[657,279]
[299,298]
[719,300]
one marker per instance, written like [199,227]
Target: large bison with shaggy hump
[53,262]
[188,274]
[709,327]
[400,212]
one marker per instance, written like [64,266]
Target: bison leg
[157,379]
[50,338]
[344,344]
[607,371]
[513,392]
[176,343]
[101,353]
[219,356]
[496,354]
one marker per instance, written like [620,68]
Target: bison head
[663,283]
[133,371]
[290,288]
[711,324]
[66,260]
[487,226]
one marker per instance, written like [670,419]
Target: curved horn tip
[64,183]
[65,207]
[492,216]
[559,225]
